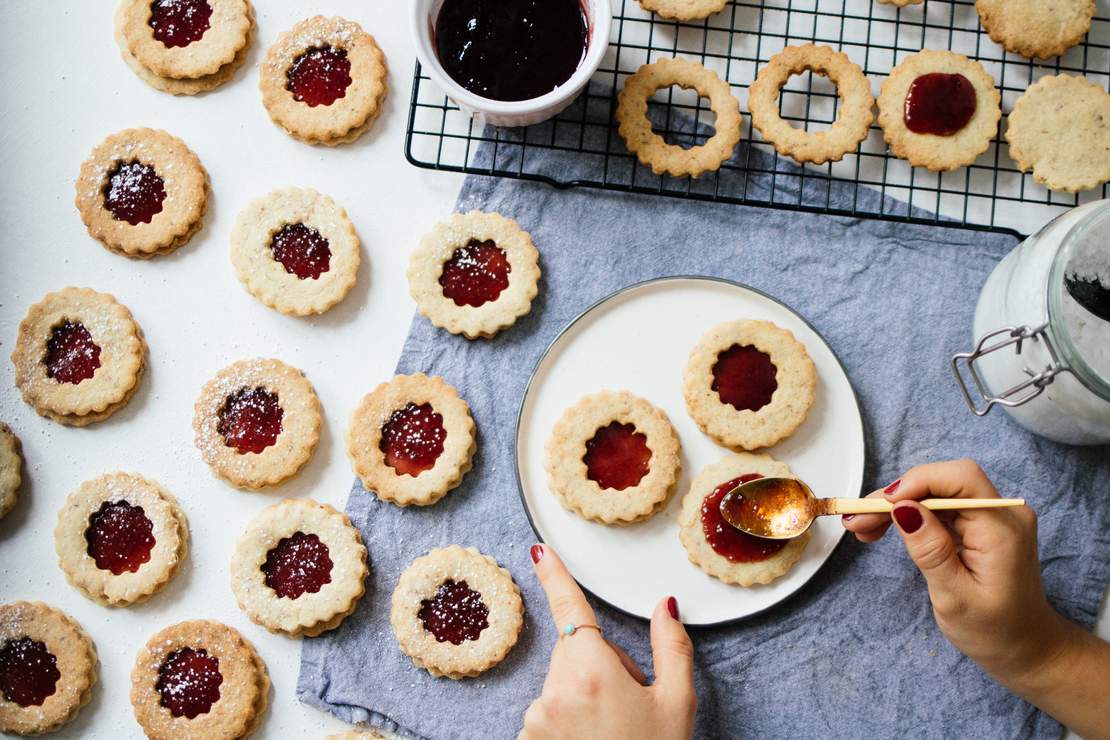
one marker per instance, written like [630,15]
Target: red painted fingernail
[848,517]
[908,518]
[892,487]
[537,553]
[672,607]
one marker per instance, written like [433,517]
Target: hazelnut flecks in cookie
[716,546]
[749,384]
[411,440]
[142,192]
[299,568]
[324,81]
[78,357]
[296,251]
[456,612]
[11,468]
[47,668]
[683,10]
[613,457]
[257,422]
[474,274]
[120,538]
[186,39]
[1036,28]
[199,679]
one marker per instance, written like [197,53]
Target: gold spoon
[782,508]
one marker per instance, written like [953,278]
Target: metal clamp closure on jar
[1018,394]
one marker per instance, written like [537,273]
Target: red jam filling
[300,564]
[617,456]
[250,420]
[71,353]
[189,682]
[939,103]
[28,672]
[725,539]
[179,22]
[412,439]
[134,193]
[302,251]
[455,614]
[120,537]
[744,377]
[476,274]
[319,76]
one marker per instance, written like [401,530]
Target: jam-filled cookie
[1036,28]
[324,81]
[474,274]
[411,440]
[11,468]
[199,680]
[716,546]
[120,538]
[456,612]
[78,357]
[749,384]
[257,422]
[296,251]
[47,668]
[299,568]
[613,457]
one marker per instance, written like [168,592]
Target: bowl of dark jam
[511,62]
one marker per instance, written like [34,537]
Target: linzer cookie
[296,251]
[257,422]
[716,546]
[120,538]
[411,440]
[613,458]
[1060,128]
[78,357]
[684,10]
[142,193]
[852,119]
[649,147]
[939,110]
[749,384]
[324,81]
[456,612]
[1035,28]
[199,680]
[11,468]
[474,274]
[299,568]
[47,668]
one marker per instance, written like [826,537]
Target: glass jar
[1043,328]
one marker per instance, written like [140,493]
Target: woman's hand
[593,689]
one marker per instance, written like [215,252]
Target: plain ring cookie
[649,147]
[78,357]
[186,39]
[257,422]
[411,440]
[683,10]
[11,468]
[456,612]
[474,274]
[299,568]
[737,558]
[939,153]
[142,192]
[749,384]
[613,457]
[852,120]
[324,81]
[296,251]
[1036,28]
[120,538]
[40,645]
[1060,128]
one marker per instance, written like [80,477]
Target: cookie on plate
[11,468]
[716,546]
[456,612]
[1036,28]
[613,457]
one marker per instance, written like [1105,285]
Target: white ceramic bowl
[599,16]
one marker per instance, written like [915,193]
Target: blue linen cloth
[856,653]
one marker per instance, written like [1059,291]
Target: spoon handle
[882,506]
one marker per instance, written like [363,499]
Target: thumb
[672,652]
[930,545]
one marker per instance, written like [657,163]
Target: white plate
[638,339]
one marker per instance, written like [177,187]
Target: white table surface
[64,89]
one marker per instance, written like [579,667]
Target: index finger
[565,599]
[951,479]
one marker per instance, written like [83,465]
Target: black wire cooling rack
[990,194]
